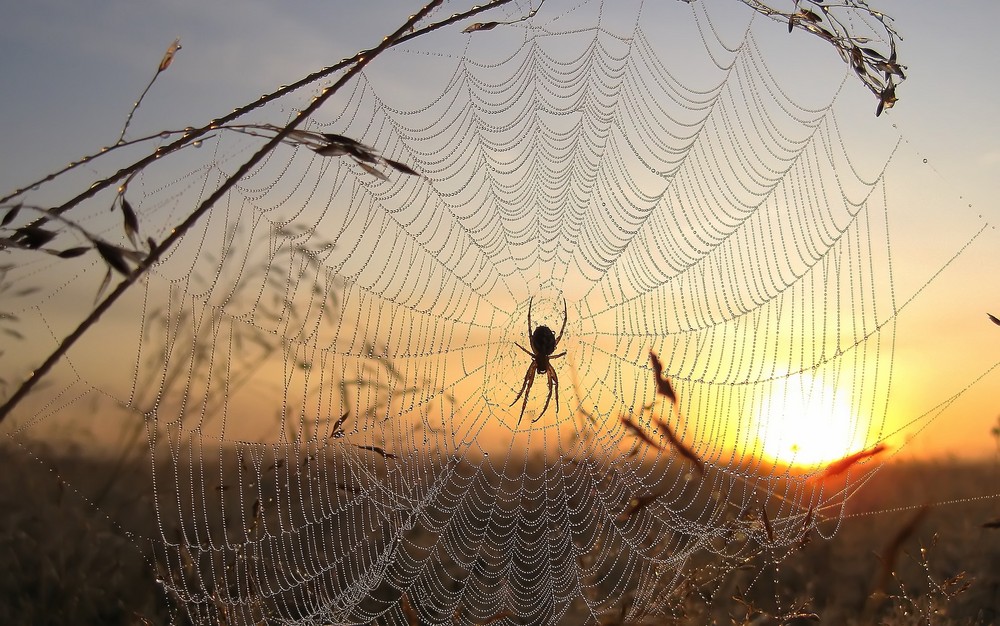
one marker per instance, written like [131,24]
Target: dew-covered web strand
[397,481]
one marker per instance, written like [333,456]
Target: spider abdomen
[543,342]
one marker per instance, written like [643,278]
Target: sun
[805,421]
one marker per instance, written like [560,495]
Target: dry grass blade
[339,145]
[168,56]
[412,619]
[333,145]
[799,616]
[33,237]
[376,450]
[663,386]
[886,98]
[637,430]
[767,523]
[844,464]
[113,256]
[955,585]
[891,551]
[684,451]
[11,214]
[402,167]
[637,504]
[371,170]
[104,284]
[476,26]
[751,614]
[330,145]
[142,618]
[338,432]
[804,15]
[499,617]
[131,221]
[70,253]
[807,527]
[255,516]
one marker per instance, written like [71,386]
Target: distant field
[65,562]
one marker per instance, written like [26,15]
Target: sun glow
[805,421]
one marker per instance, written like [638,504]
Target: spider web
[325,371]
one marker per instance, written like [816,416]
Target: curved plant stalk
[168,58]
[880,72]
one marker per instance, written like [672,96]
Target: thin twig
[165,62]
[839,467]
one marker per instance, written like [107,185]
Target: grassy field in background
[66,562]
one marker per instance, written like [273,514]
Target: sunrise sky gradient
[70,71]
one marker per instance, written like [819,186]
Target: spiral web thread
[325,369]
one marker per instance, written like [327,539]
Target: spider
[543,344]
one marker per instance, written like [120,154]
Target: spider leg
[529,315]
[526,351]
[550,375]
[563,324]
[548,398]
[555,356]
[524,384]
[529,379]
[554,381]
